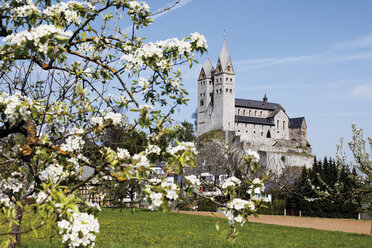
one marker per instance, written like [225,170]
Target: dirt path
[343,225]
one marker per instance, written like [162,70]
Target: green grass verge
[156,229]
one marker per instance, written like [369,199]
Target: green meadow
[144,228]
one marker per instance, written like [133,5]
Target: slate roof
[257,104]
[208,68]
[253,120]
[296,122]
[224,56]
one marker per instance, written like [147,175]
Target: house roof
[253,120]
[296,122]
[257,104]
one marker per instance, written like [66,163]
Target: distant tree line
[328,189]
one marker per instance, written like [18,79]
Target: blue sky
[313,57]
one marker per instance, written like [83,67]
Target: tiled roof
[253,120]
[296,122]
[257,104]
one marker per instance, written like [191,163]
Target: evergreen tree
[326,190]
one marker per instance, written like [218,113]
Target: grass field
[156,229]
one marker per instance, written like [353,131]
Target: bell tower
[224,92]
[205,98]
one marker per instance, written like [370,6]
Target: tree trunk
[16,229]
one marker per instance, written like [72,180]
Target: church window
[230,79]
[227,90]
[238,111]
[249,112]
[230,90]
[246,131]
[244,112]
[201,102]
[261,113]
[255,113]
[228,68]
[210,82]
[261,133]
[277,124]
[268,135]
[283,125]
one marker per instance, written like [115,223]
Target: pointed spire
[224,55]
[224,63]
[206,71]
[265,98]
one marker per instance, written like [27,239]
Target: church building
[260,125]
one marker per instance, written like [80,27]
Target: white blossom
[115,117]
[239,204]
[54,172]
[122,153]
[231,182]
[12,183]
[145,107]
[73,143]
[35,35]
[97,120]
[94,205]
[200,40]
[140,160]
[183,146]
[253,155]
[156,200]
[26,10]
[153,149]
[79,230]
[193,180]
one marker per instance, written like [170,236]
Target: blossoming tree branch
[68,71]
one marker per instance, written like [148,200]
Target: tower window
[230,79]
[244,112]
[230,90]
[261,133]
[210,82]
[268,135]
[255,113]
[227,90]
[261,113]
[277,124]
[201,102]
[238,111]
[283,125]
[250,112]
[228,68]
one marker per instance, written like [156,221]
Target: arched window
[244,112]
[238,111]
[283,125]
[255,113]
[277,124]
[268,135]
[249,113]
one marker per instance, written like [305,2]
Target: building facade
[259,125]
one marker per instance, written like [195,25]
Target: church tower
[224,92]
[205,98]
